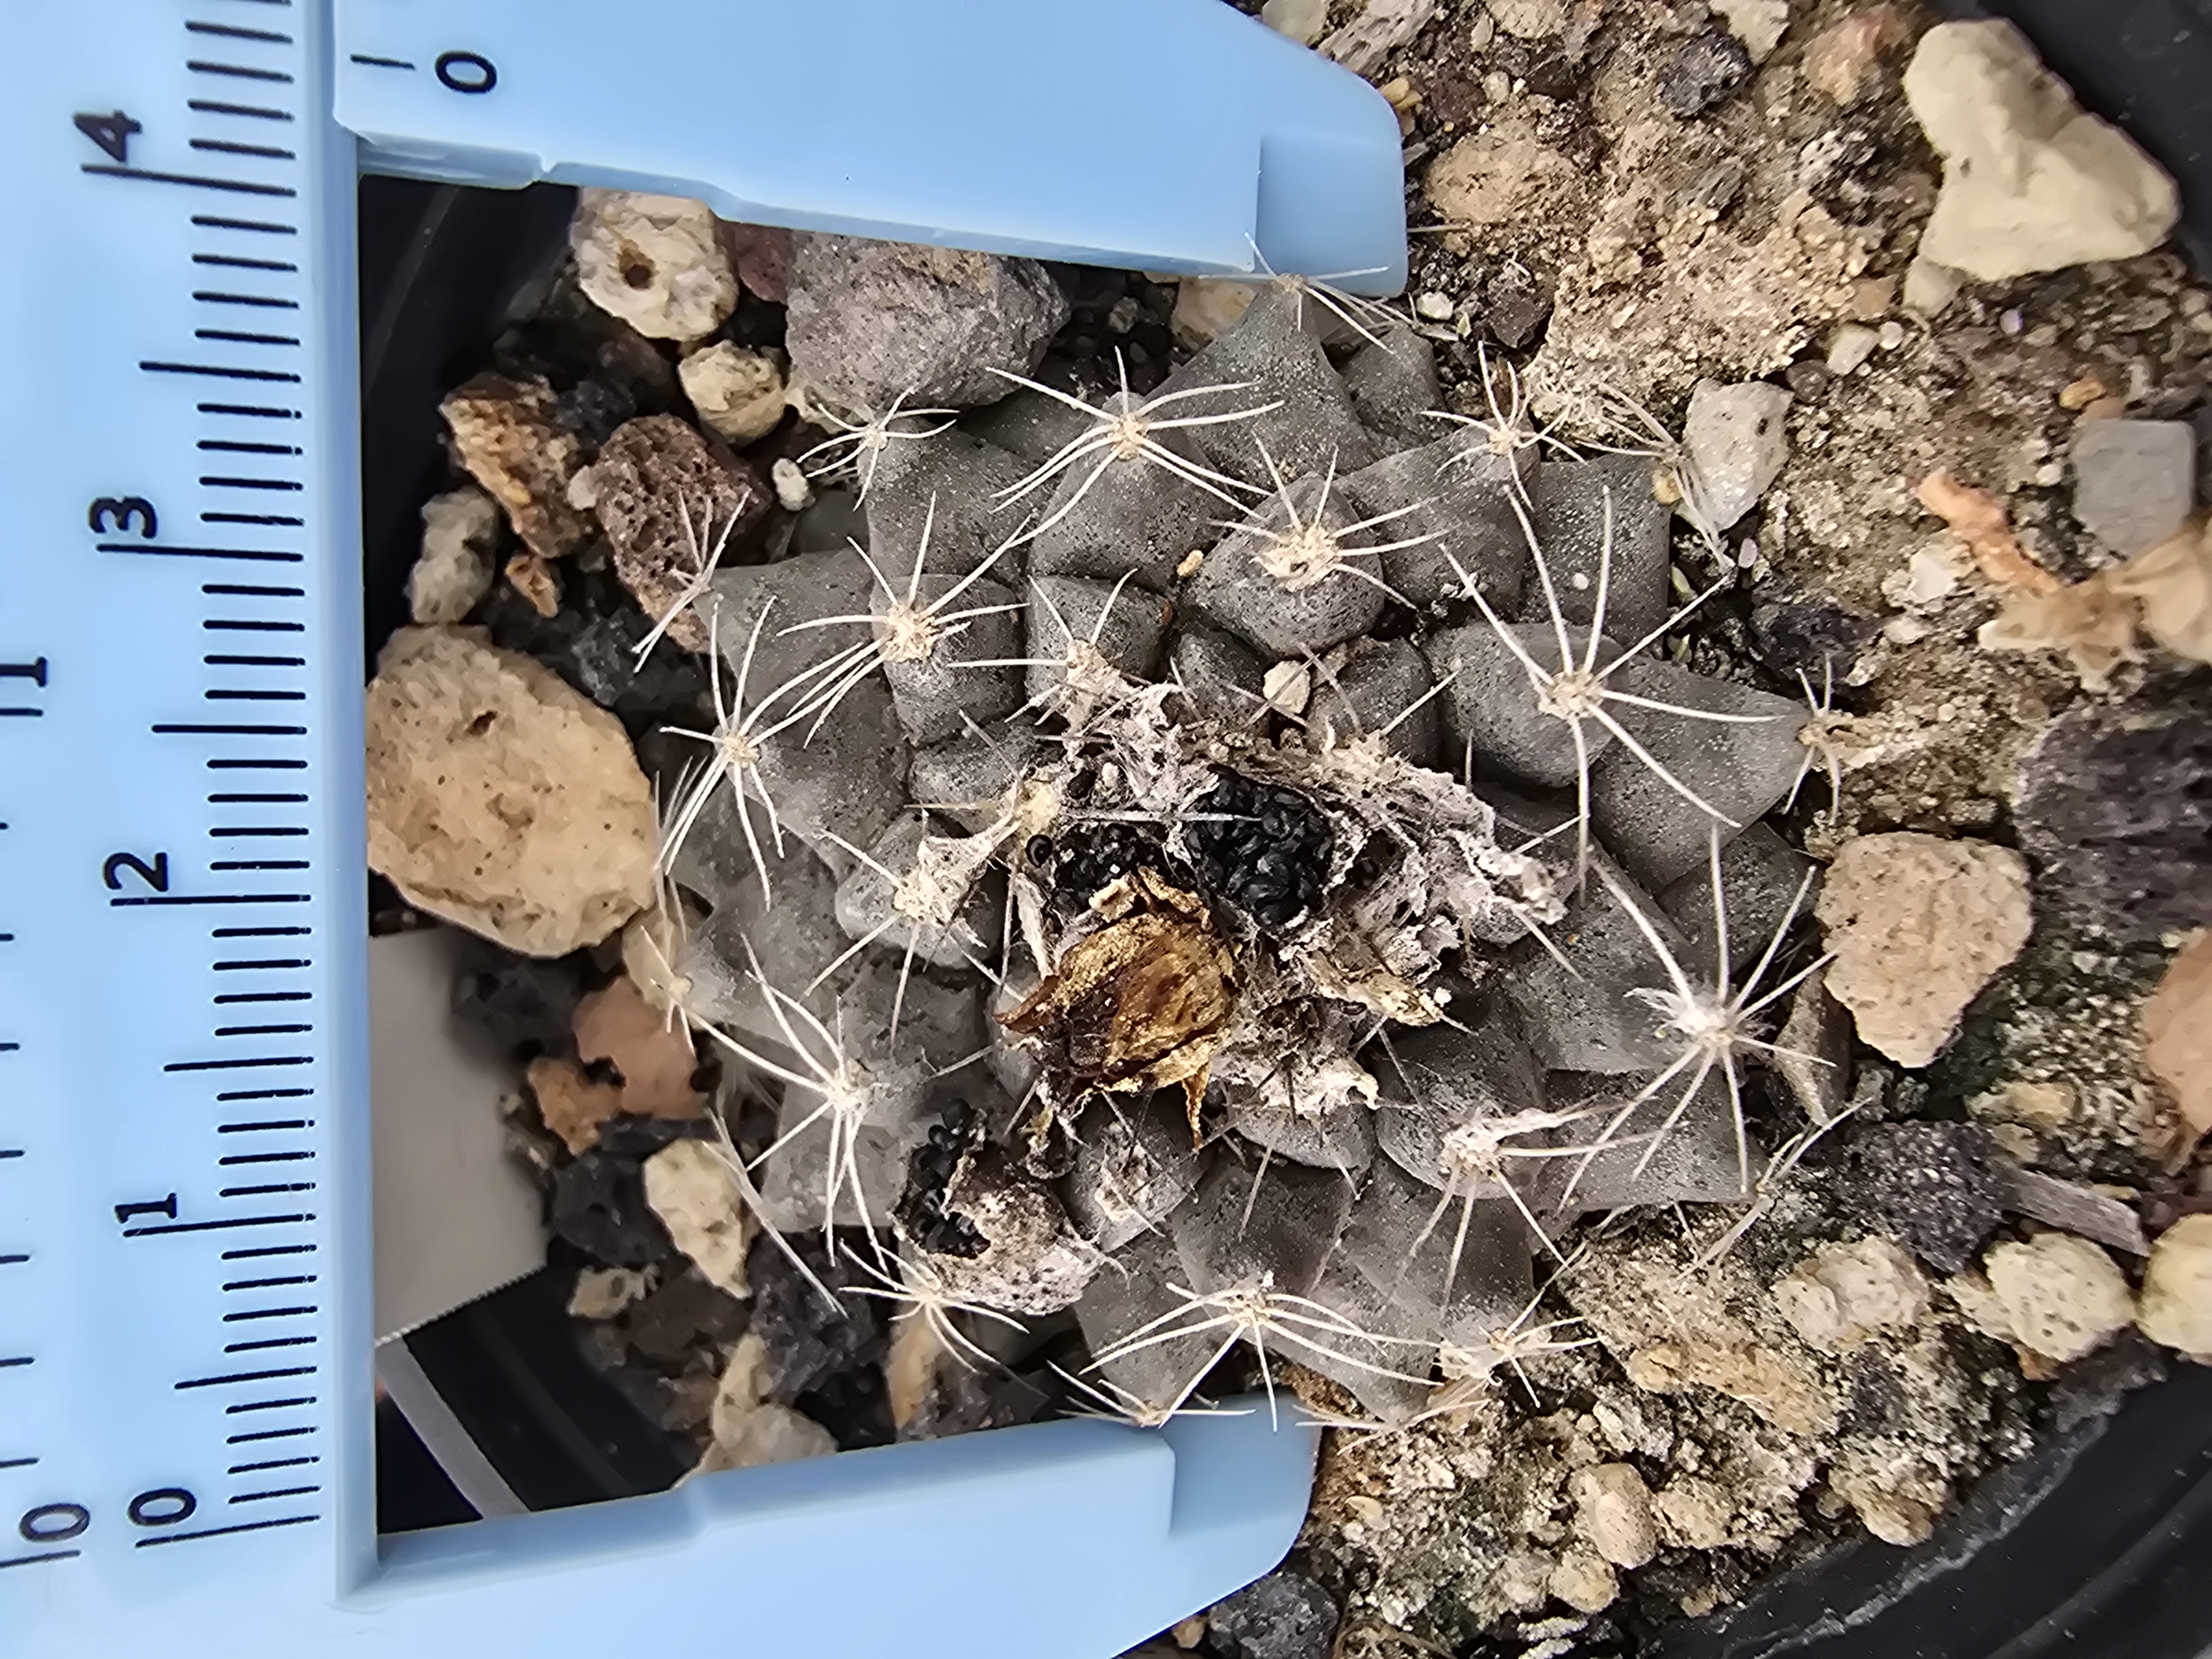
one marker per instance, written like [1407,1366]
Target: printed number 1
[112,132]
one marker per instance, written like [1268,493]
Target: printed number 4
[112,132]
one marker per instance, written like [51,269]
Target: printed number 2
[154,875]
[112,132]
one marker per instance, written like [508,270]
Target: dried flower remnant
[1143,1002]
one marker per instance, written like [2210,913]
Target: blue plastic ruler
[186,1372]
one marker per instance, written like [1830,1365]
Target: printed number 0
[53,1524]
[467,71]
[163,1507]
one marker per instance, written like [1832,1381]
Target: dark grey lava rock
[1702,70]
[524,1004]
[1808,635]
[1930,1186]
[806,1340]
[591,642]
[599,1205]
[685,1312]
[2115,808]
[869,321]
[1284,1616]
[1516,302]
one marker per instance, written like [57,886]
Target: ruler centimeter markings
[227,168]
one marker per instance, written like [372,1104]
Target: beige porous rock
[1497,177]
[1585,1581]
[2177,1293]
[505,435]
[500,798]
[749,1429]
[1843,1294]
[461,532]
[2030,182]
[657,262]
[739,393]
[699,1200]
[2060,1296]
[1898,1503]
[1918,925]
[1613,1510]
[1692,1513]
[1206,307]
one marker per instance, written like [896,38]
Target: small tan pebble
[1929,288]
[1843,1294]
[2177,1023]
[2061,1295]
[504,434]
[534,579]
[739,394]
[1890,335]
[657,262]
[1851,344]
[1979,1305]
[1613,1512]
[572,1102]
[1189,1633]
[750,1429]
[700,1202]
[500,798]
[1585,1581]
[1206,307]
[2177,1293]
[1398,93]
[1437,307]
[1840,61]
[2046,1105]
[1758,23]
[1189,564]
[1304,22]
[2080,394]
[794,490]
[1368,1511]
[603,1292]
[1692,1513]
[1872,298]
[1697,1603]
[1288,686]
[461,532]
[1528,19]
[2104,408]
[1918,925]
[1898,1511]
[1524,1580]
[653,1051]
